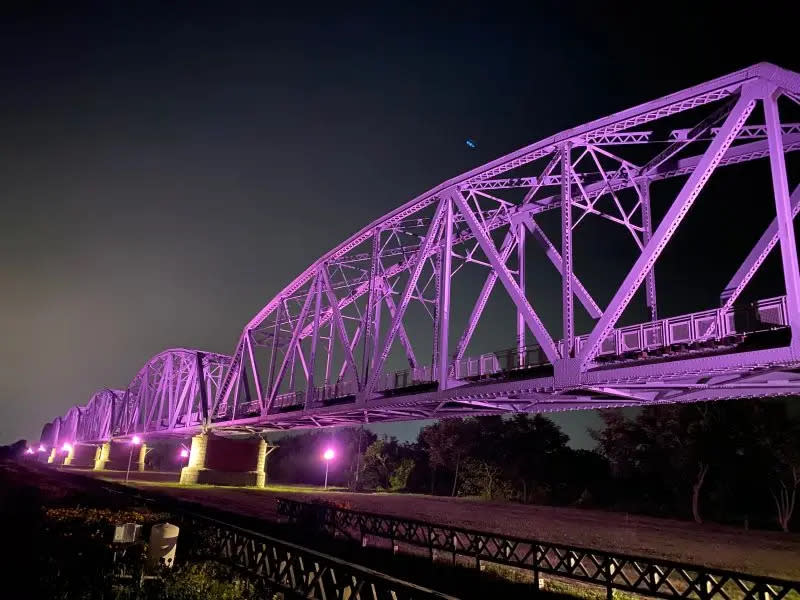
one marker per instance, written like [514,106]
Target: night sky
[166,170]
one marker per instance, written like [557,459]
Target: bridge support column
[67,460]
[221,461]
[140,458]
[81,455]
[101,456]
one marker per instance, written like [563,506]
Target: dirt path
[757,552]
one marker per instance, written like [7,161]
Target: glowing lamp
[329,454]
[42,448]
[136,440]
[184,453]
[29,451]
[67,447]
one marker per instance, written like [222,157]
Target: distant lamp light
[184,453]
[29,450]
[67,447]
[42,448]
[471,143]
[328,456]
[136,440]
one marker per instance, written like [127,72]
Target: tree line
[732,462]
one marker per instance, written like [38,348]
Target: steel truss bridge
[326,349]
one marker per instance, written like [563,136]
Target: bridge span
[366,333]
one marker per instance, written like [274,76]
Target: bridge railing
[641,575]
[681,331]
[684,333]
[405,378]
[334,391]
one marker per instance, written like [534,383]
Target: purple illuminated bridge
[365,334]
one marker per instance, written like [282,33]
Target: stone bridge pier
[223,461]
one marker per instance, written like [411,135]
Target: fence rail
[637,574]
[295,570]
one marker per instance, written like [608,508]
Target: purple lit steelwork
[326,350]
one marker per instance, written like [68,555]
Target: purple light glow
[29,451]
[42,448]
[329,454]
[184,453]
[67,447]
[136,440]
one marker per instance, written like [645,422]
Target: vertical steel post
[443,311]
[643,187]
[314,338]
[254,365]
[293,352]
[202,389]
[437,284]
[376,326]
[370,336]
[276,333]
[521,269]
[783,207]
[328,357]
[568,315]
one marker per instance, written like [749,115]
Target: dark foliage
[13,451]
[733,462]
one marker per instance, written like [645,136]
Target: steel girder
[324,349]
[169,395]
[404,255]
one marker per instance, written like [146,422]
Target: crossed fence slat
[297,571]
[641,575]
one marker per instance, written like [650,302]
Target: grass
[769,553]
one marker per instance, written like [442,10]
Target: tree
[13,451]
[665,451]
[447,443]
[377,463]
[398,480]
[785,474]
[482,478]
[529,448]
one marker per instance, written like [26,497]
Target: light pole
[328,456]
[135,441]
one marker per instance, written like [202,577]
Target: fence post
[609,578]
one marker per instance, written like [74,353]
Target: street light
[328,456]
[184,453]
[135,441]
[29,450]
[67,447]
[42,448]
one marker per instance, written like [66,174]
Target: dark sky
[166,170]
